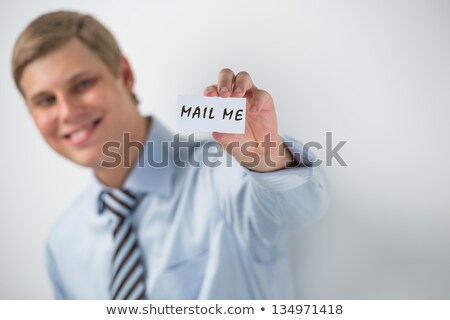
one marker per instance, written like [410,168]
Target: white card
[208,114]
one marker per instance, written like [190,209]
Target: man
[160,232]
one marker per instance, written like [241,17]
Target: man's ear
[126,74]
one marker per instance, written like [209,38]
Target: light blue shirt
[205,232]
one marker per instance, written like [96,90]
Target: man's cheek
[46,126]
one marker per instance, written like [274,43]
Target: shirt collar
[153,172]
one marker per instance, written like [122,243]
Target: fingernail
[224,89]
[253,109]
[237,90]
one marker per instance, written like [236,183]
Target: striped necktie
[128,272]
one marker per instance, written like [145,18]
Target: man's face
[77,103]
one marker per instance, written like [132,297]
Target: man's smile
[83,133]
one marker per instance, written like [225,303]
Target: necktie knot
[120,202]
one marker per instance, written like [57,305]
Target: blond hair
[52,30]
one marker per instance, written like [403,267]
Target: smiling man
[171,232]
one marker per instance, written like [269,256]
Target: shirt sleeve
[287,178]
[268,206]
[53,274]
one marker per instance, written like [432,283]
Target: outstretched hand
[260,148]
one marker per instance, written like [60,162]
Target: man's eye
[82,85]
[47,101]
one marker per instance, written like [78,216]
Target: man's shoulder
[74,217]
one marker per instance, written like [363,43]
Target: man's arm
[264,208]
[280,189]
[53,273]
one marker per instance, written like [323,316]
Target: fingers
[211,91]
[230,85]
[225,82]
[261,99]
[242,83]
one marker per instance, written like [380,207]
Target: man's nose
[69,108]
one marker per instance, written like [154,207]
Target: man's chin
[86,160]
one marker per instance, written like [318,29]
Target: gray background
[375,73]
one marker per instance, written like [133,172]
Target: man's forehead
[59,67]
[41,82]
[41,87]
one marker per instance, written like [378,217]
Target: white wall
[375,73]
